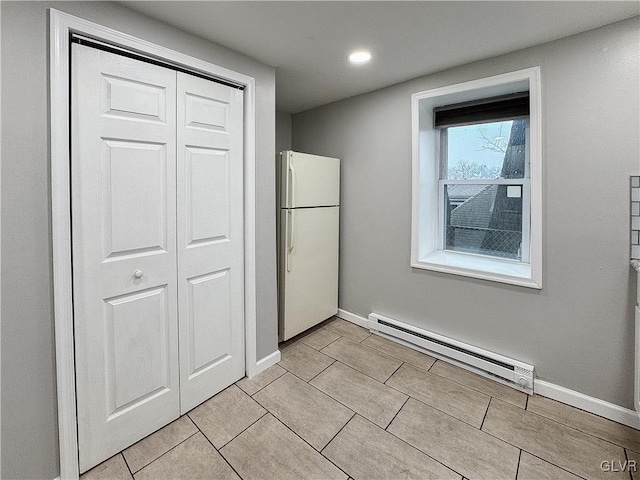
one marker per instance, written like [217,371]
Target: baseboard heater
[505,370]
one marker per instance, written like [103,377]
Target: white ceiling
[308,41]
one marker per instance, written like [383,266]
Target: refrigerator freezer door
[309,180]
[308,268]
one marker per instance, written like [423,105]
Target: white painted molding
[425,220]
[590,404]
[543,388]
[61,239]
[266,362]
[353,318]
[0,270]
[61,25]
[636,370]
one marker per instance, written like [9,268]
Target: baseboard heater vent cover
[503,369]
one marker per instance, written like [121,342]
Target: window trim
[425,215]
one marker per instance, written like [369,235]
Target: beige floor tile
[194,458]
[347,329]
[313,415]
[269,450]
[361,393]
[563,446]
[406,354]
[364,359]
[456,444]
[226,415]
[320,338]
[586,422]
[367,452]
[463,403]
[534,468]
[158,443]
[480,383]
[113,469]
[304,361]
[252,385]
[634,467]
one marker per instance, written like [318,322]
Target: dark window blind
[510,106]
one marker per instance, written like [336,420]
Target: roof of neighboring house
[463,192]
[475,211]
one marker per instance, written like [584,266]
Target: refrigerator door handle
[290,232]
[292,188]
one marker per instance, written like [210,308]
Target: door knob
[137,273]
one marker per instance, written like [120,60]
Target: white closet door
[124,252]
[210,238]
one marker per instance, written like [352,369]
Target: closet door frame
[62,25]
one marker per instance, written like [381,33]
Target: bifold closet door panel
[210,237]
[123,187]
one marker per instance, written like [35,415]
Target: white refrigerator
[308,227]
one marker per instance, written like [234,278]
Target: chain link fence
[485,241]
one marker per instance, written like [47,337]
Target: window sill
[476,266]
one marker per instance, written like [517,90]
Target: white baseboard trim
[590,404]
[266,362]
[546,389]
[353,318]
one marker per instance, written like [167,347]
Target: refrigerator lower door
[308,268]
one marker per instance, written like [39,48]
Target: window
[476,179]
[484,176]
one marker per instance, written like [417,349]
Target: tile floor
[343,403]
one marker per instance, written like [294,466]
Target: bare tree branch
[497,145]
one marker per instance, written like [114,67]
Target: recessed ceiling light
[359,57]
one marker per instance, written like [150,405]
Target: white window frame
[427,248]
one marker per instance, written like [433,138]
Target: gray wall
[577,331]
[283,131]
[29,424]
